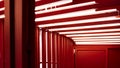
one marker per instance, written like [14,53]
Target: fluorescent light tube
[110,18]
[58,3]
[101,37]
[96,39]
[85,27]
[1,0]
[75,14]
[2,16]
[103,34]
[67,15]
[37,0]
[2,9]
[89,31]
[66,7]
[94,43]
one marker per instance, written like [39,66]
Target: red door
[1,45]
[90,59]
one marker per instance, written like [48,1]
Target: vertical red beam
[1,45]
[67,53]
[53,47]
[37,52]
[7,34]
[59,51]
[43,48]
[56,45]
[18,34]
[24,33]
[65,66]
[62,52]
[49,49]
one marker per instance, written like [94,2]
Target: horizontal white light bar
[101,37]
[103,34]
[89,31]
[75,14]
[1,0]
[37,0]
[97,39]
[2,9]
[94,43]
[85,27]
[67,15]
[2,16]
[67,7]
[58,3]
[81,21]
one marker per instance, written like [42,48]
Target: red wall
[1,45]
[97,56]
[55,50]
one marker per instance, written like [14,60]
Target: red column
[43,48]
[59,51]
[1,45]
[49,49]
[53,49]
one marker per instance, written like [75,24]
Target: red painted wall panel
[97,56]
[1,45]
[90,59]
[114,58]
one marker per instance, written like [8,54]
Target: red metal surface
[1,45]
[114,58]
[90,59]
[43,49]
[88,56]
[7,34]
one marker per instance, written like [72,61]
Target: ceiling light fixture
[96,43]
[89,31]
[1,0]
[2,9]
[58,3]
[75,14]
[103,34]
[37,0]
[85,27]
[2,16]
[99,37]
[66,15]
[110,18]
[65,7]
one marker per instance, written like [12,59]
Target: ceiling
[86,22]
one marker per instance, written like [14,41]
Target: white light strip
[75,14]
[37,0]
[2,16]
[58,3]
[81,21]
[90,31]
[1,0]
[97,39]
[66,7]
[85,27]
[2,9]
[102,37]
[67,15]
[103,34]
[94,43]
